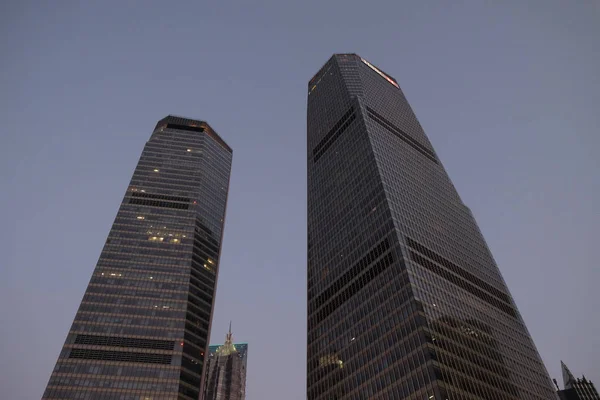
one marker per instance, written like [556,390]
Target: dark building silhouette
[142,327]
[226,370]
[576,388]
[405,300]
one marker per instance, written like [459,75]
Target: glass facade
[142,327]
[576,388]
[405,300]
[226,371]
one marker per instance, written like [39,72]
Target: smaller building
[576,388]
[226,370]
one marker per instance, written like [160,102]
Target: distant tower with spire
[576,388]
[226,370]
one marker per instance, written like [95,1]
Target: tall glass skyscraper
[576,388]
[405,300]
[226,370]
[142,327]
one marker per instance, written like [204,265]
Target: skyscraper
[405,300]
[576,388]
[142,327]
[226,370]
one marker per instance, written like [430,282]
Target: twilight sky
[508,92]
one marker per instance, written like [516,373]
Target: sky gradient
[508,93]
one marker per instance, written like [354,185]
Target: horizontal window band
[124,356]
[158,203]
[333,129]
[457,270]
[353,272]
[353,289]
[115,341]
[160,197]
[333,134]
[433,267]
[335,137]
[401,134]
[185,128]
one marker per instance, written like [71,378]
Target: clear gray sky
[508,92]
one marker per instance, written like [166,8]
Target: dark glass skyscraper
[405,300]
[576,388]
[226,370]
[142,327]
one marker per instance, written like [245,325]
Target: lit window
[156,170]
[331,359]
[210,261]
[141,217]
[175,240]
[189,150]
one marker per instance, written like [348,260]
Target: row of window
[387,330]
[157,203]
[83,316]
[353,288]
[475,369]
[351,243]
[109,383]
[127,291]
[72,366]
[366,328]
[375,116]
[333,134]
[360,315]
[154,311]
[349,275]
[435,207]
[463,284]
[457,270]
[124,356]
[63,393]
[144,249]
[172,276]
[489,338]
[375,341]
[119,329]
[132,301]
[116,341]
[400,363]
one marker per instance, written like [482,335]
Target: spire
[229,335]
[567,375]
[228,347]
